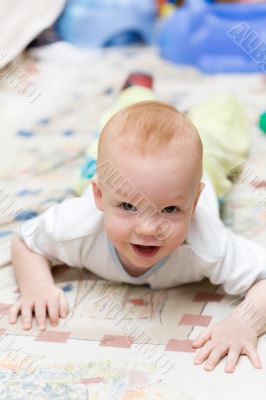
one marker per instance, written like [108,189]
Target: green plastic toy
[262,122]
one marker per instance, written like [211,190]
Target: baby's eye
[128,207]
[170,209]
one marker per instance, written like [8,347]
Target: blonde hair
[148,126]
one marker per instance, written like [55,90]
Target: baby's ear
[200,188]
[97,193]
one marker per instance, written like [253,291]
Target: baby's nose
[145,229]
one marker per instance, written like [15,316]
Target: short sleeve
[40,236]
[66,231]
[227,259]
[242,263]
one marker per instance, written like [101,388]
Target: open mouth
[145,251]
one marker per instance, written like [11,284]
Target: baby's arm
[242,270]
[37,288]
[231,337]
[237,334]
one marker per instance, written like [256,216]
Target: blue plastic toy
[101,23]
[216,37]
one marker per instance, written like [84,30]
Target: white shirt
[73,233]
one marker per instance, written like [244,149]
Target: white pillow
[22,21]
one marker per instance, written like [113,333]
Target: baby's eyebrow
[127,195]
[122,193]
[175,199]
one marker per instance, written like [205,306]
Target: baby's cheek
[115,229]
[178,236]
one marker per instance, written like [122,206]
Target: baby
[147,217]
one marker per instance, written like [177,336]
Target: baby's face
[165,184]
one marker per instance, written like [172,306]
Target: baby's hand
[39,299]
[232,337]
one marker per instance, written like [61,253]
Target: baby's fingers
[203,353]
[14,311]
[201,339]
[232,358]
[63,305]
[56,308]
[26,314]
[40,314]
[53,311]
[252,354]
[218,352]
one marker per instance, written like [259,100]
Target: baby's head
[148,181]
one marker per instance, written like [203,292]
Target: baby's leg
[224,130]
[128,96]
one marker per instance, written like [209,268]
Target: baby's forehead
[169,156]
[155,176]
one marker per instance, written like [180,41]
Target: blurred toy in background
[262,122]
[237,1]
[216,37]
[166,7]
[138,78]
[102,23]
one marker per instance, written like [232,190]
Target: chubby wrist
[250,315]
[36,286]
